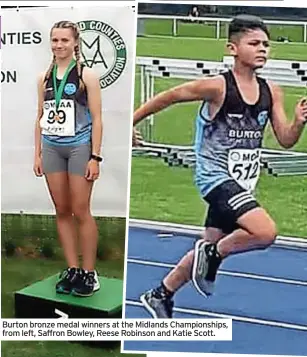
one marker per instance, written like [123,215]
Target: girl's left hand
[92,170]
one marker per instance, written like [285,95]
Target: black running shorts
[228,202]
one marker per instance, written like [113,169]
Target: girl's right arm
[40,101]
[38,168]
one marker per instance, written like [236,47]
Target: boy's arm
[287,133]
[209,89]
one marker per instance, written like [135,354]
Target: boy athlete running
[229,129]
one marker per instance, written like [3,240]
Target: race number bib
[244,167]
[60,123]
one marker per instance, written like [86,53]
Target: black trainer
[67,280]
[159,305]
[205,266]
[86,284]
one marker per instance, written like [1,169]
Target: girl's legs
[59,190]
[80,191]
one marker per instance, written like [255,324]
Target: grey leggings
[71,159]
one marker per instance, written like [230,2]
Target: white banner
[108,41]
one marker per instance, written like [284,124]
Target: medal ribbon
[58,92]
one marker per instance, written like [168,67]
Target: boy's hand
[301,111]
[136,138]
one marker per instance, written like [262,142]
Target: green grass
[28,233]
[27,266]
[209,49]
[164,27]
[159,192]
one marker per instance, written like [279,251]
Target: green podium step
[40,300]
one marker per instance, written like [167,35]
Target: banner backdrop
[108,40]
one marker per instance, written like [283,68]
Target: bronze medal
[58,91]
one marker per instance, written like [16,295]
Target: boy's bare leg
[181,274]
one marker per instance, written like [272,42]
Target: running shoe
[67,280]
[86,284]
[157,304]
[205,266]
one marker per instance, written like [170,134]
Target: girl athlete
[68,135]
[229,129]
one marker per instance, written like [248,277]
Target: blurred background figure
[193,13]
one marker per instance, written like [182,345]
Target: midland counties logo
[103,48]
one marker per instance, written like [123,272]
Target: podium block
[40,300]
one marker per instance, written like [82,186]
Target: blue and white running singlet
[75,126]
[227,146]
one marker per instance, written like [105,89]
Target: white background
[21,190]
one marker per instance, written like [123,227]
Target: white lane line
[146,262]
[233,317]
[193,231]
[228,273]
